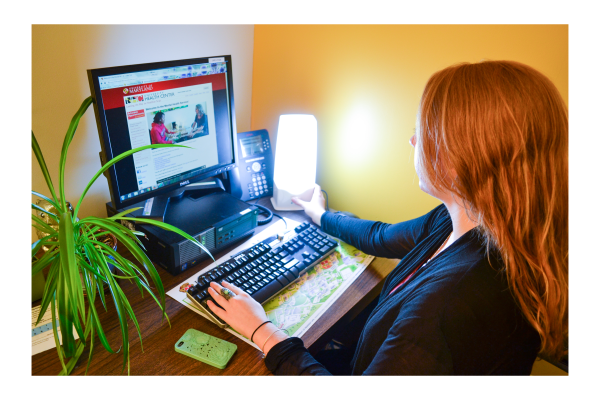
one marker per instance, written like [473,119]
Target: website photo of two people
[173,125]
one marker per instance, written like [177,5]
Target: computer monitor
[188,102]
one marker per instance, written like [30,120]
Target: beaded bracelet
[252,337]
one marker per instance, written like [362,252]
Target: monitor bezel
[106,155]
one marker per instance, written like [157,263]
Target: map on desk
[297,307]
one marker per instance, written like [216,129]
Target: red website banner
[136,114]
[113,98]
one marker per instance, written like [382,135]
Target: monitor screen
[188,102]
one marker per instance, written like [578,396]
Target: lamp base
[292,207]
[282,199]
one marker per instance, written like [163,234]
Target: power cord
[269,213]
[326,200]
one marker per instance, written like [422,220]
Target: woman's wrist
[268,336]
[317,215]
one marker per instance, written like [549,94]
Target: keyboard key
[267,291]
[290,276]
[283,280]
[301,266]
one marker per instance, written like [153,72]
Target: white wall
[61,54]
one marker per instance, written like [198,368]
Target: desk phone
[253,176]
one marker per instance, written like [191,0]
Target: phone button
[256,167]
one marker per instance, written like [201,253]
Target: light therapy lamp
[295,160]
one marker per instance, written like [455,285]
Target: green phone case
[206,348]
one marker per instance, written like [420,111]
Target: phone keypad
[259,185]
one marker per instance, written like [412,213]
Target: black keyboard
[267,267]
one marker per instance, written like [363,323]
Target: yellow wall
[61,54]
[363,84]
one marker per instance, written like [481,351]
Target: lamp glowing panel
[295,160]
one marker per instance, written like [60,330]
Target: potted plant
[78,261]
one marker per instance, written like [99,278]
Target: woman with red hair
[482,287]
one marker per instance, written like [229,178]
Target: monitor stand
[155,208]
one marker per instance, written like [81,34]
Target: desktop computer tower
[217,220]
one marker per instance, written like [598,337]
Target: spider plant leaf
[98,279]
[46,259]
[171,228]
[45,241]
[63,154]
[67,239]
[123,265]
[112,285]
[109,226]
[117,159]
[90,269]
[40,158]
[49,289]
[35,206]
[67,301]
[95,321]
[117,216]
[131,314]
[47,228]
[49,200]
[65,315]
[157,302]
[91,352]
[59,349]
[73,361]
[139,255]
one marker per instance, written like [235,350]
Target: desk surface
[158,339]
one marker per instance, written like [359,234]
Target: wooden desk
[158,339]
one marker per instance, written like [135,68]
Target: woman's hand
[241,312]
[244,314]
[315,208]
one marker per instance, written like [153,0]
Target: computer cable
[269,217]
[326,200]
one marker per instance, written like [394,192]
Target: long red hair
[503,127]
